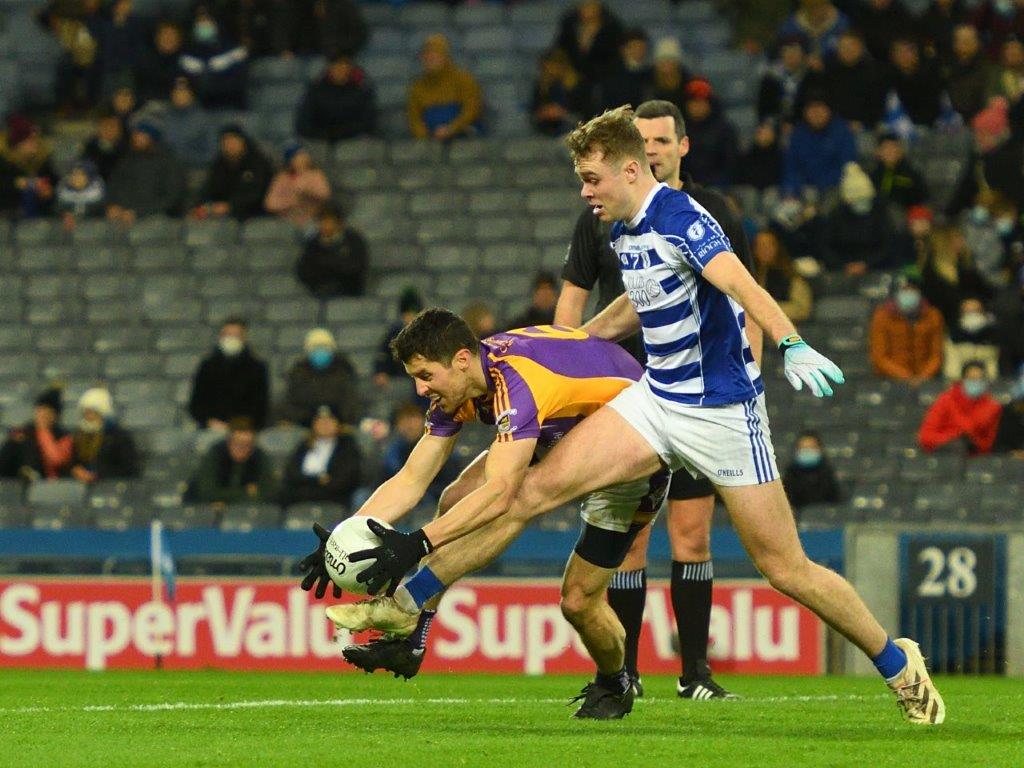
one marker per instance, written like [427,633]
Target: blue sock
[891,661]
[419,636]
[423,586]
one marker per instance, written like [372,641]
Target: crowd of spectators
[837,77]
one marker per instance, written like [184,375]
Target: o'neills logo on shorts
[730,473]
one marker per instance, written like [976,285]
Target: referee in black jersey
[691,501]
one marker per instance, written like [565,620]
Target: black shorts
[604,548]
[685,486]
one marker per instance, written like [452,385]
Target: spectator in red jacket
[964,412]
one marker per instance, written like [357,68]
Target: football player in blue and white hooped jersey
[700,403]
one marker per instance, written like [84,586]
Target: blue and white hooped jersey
[697,350]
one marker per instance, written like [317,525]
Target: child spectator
[81,194]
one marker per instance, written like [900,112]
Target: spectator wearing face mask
[906,334]
[323,376]
[102,449]
[965,413]
[218,68]
[974,337]
[810,478]
[231,382]
[327,466]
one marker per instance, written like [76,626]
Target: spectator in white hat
[102,449]
[670,74]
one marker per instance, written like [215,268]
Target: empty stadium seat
[246,517]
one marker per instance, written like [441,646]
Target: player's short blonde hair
[612,133]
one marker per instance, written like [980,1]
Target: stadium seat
[246,517]
[347,310]
[358,151]
[55,493]
[190,516]
[199,234]
[155,230]
[301,516]
[269,229]
[282,440]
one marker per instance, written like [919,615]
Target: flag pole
[156,572]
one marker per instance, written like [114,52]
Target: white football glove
[802,365]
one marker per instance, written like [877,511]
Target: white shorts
[727,444]
[620,507]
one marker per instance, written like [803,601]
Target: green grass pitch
[212,718]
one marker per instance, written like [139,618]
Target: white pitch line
[171,706]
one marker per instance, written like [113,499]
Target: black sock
[627,594]
[418,638]
[618,682]
[691,603]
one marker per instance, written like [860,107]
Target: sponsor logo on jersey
[504,421]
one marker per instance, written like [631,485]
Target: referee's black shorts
[685,486]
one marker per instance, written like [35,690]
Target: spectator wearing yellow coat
[445,101]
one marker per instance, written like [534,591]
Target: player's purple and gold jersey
[543,380]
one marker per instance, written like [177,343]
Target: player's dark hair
[435,334]
[655,108]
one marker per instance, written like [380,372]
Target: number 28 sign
[950,569]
